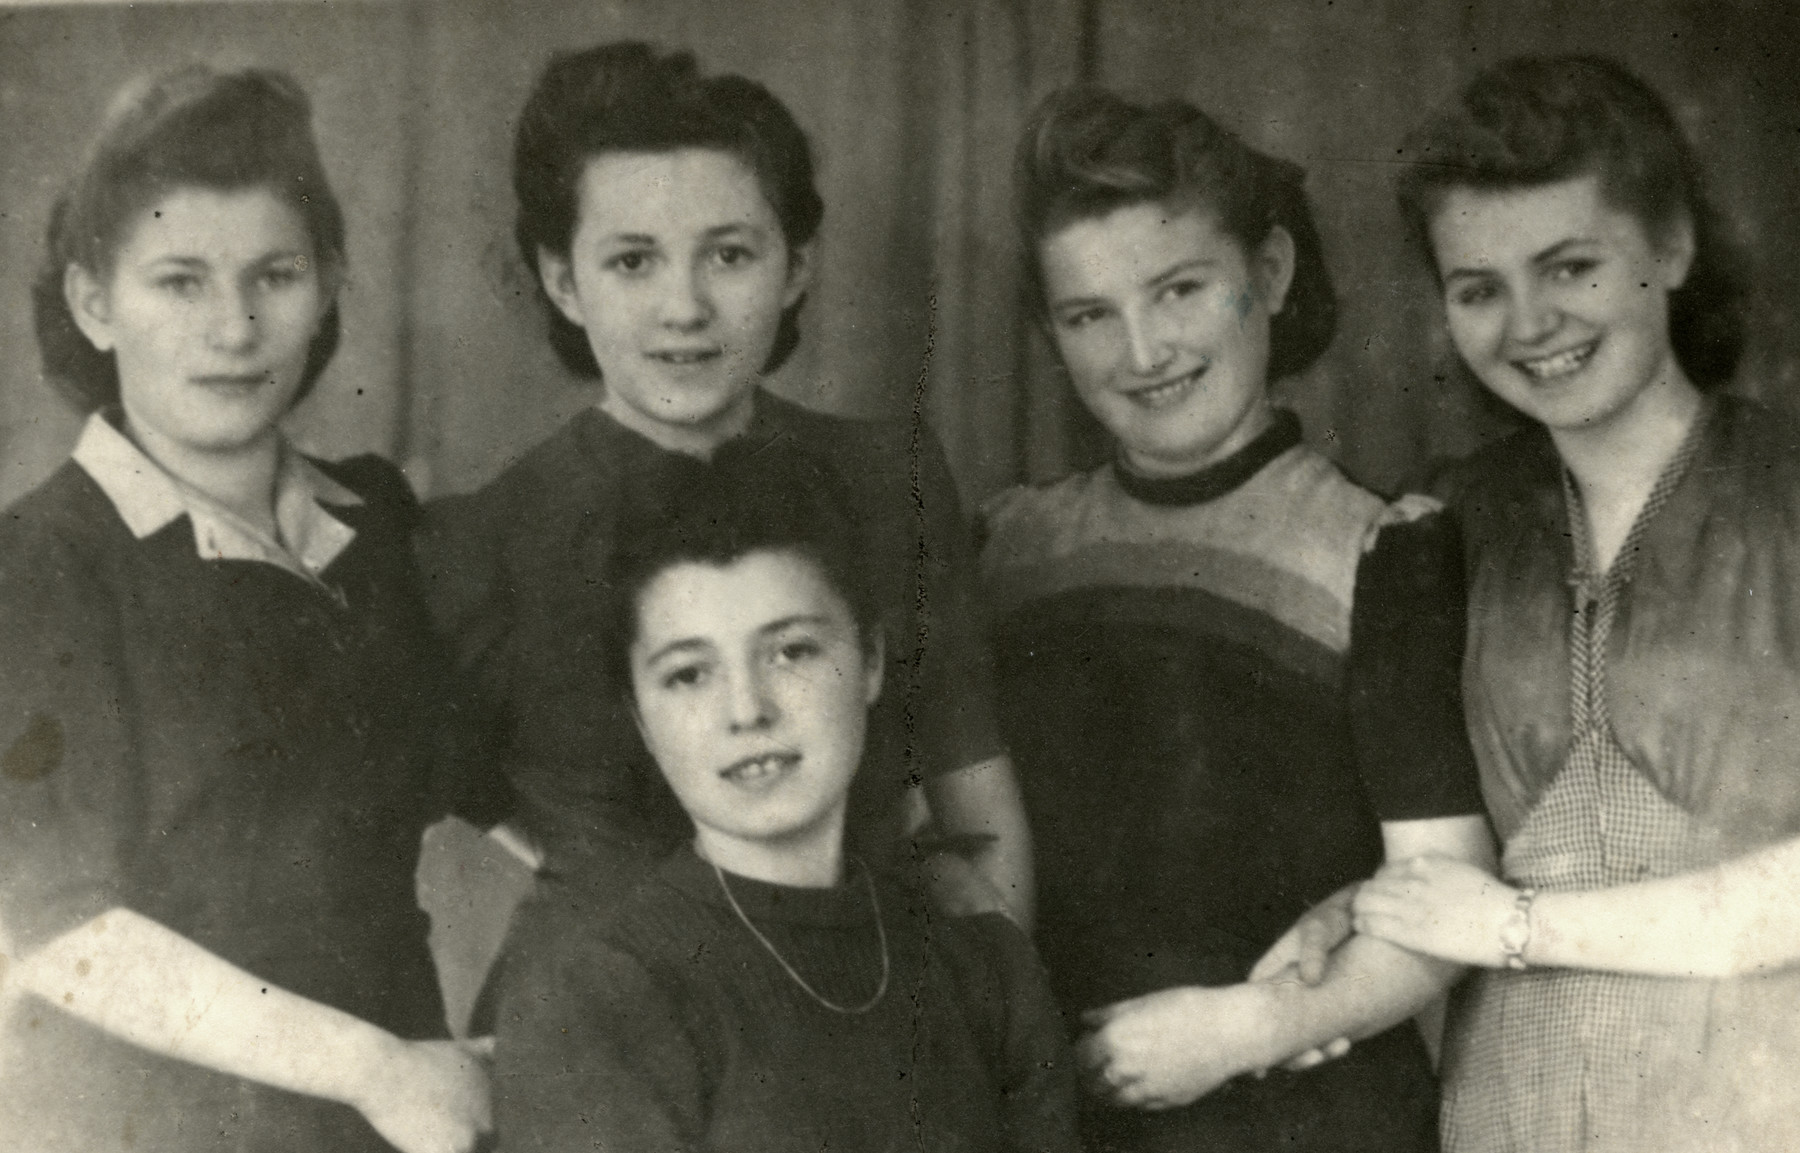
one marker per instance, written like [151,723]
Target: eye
[185,285]
[797,651]
[1573,269]
[631,262]
[1081,317]
[280,275]
[732,255]
[1470,294]
[1186,286]
[688,676]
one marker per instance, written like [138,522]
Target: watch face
[1514,933]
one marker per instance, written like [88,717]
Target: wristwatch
[1515,931]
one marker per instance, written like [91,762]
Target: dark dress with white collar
[237,753]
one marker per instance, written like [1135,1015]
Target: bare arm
[143,983]
[981,802]
[1174,1046]
[1735,919]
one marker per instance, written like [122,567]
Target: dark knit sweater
[665,1025]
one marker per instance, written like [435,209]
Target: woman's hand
[1304,951]
[430,1096]
[1438,906]
[1172,1047]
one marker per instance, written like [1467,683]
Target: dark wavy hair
[715,512]
[1086,152]
[191,128]
[1541,120]
[628,97]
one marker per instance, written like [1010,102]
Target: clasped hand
[431,1096]
[1439,906]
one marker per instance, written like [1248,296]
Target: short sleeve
[1408,622]
[591,1051]
[69,794]
[956,702]
[467,778]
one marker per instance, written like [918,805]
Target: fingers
[1282,955]
[482,1047]
[1313,1058]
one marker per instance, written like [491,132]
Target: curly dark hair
[629,97]
[743,500]
[190,128]
[1087,151]
[1540,120]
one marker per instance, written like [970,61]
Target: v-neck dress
[517,575]
[1633,724]
[244,755]
[1215,688]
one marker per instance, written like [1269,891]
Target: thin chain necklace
[880,930]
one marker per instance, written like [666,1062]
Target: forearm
[1369,987]
[982,802]
[1735,919]
[143,983]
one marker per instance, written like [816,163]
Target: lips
[1169,392]
[685,357]
[1559,364]
[760,770]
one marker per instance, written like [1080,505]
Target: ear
[637,718]
[1272,266]
[1675,246]
[801,258]
[874,666]
[557,272]
[90,304]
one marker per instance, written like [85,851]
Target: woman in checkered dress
[1632,677]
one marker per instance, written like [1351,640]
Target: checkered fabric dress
[1555,1070]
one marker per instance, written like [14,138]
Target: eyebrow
[1545,257]
[713,233]
[1163,277]
[691,643]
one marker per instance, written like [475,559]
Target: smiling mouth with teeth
[757,770]
[1561,364]
[1161,395]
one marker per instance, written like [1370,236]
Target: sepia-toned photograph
[945,576]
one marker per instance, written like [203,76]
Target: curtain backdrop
[913,106]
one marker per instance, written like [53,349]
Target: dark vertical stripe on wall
[414,411]
[1087,57]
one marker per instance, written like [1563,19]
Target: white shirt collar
[148,498]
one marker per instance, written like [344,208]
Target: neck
[1257,420]
[698,440]
[1619,460]
[810,860]
[242,479]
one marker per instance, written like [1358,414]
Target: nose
[1532,318]
[233,326]
[748,699]
[1150,353]
[687,299]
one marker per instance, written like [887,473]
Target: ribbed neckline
[1220,477]
[846,904]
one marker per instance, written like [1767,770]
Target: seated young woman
[219,693]
[1228,672]
[764,988]
[671,220]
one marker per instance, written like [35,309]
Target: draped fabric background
[913,106]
